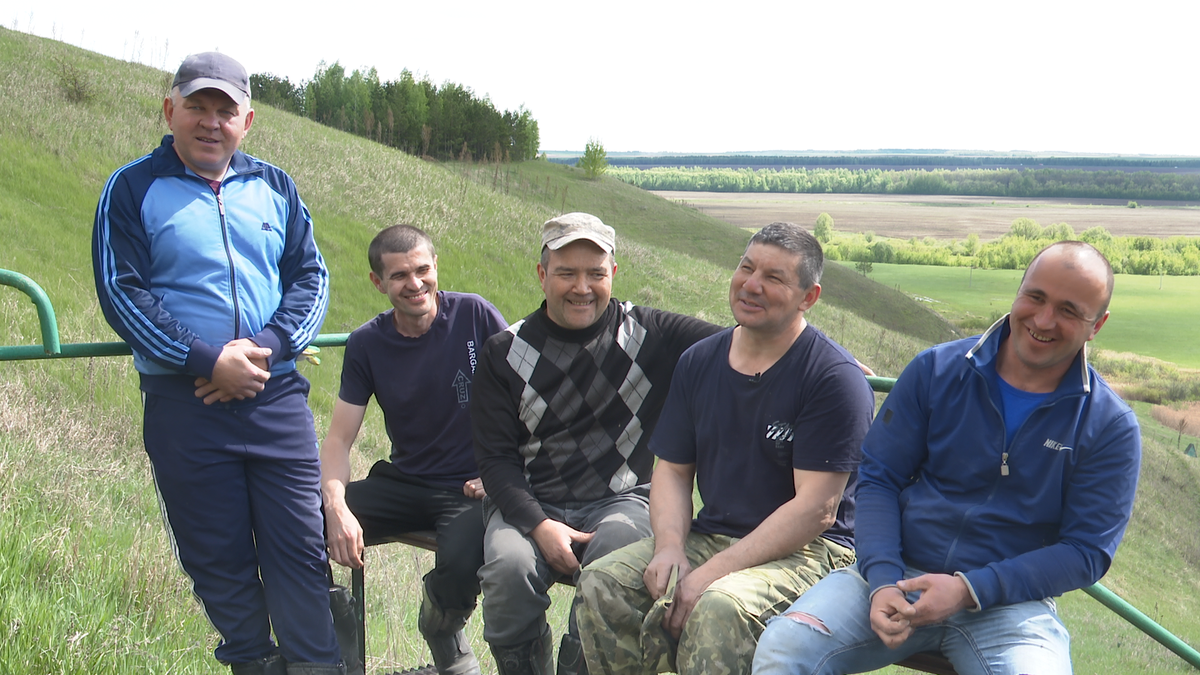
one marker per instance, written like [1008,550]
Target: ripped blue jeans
[1020,639]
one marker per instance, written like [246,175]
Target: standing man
[418,361]
[205,264]
[767,419]
[565,402]
[999,473]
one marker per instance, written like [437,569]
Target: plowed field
[905,216]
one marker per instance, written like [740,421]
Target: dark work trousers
[388,502]
[239,487]
[517,578]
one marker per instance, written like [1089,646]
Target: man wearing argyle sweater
[565,403]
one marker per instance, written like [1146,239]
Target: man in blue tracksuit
[205,264]
[999,473]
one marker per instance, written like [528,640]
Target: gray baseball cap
[213,70]
[569,227]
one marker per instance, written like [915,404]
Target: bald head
[1080,257]
[1061,305]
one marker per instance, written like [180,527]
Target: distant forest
[1078,183]
[416,116]
[901,160]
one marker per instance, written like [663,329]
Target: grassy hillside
[86,579]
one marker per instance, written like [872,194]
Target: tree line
[416,116]
[1075,183]
[935,160]
[1176,256]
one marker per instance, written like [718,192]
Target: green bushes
[983,182]
[1142,378]
[1176,256]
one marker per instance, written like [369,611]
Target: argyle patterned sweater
[565,416]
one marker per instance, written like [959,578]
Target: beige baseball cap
[569,227]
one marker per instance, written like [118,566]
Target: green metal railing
[52,349]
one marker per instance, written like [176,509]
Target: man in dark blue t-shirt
[418,361]
[767,418]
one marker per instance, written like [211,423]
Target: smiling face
[208,127]
[409,280]
[765,293]
[577,281]
[1058,309]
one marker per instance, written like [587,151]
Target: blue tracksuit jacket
[931,493]
[181,270]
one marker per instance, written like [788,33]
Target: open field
[1146,320]
[943,217]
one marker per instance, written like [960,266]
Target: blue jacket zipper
[237,312]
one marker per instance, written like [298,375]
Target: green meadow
[87,582]
[1151,316]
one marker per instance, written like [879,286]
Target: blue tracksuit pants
[239,486]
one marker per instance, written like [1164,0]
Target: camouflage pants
[620,625]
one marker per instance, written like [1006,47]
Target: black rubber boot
[570,656]
[346,627]
[443,632]
[271,665]
[528,658]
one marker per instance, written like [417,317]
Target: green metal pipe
[331,340]
[50,344]
[882,384]
[84,349]
[1144,623]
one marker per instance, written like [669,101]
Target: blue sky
[1040,76]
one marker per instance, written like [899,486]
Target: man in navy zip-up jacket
[999,473]
[205,264]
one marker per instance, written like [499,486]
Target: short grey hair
[795,239]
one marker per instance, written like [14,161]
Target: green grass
[86,582]
[1155,568]
[86,579]
[1147,320]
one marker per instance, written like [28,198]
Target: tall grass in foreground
[86,580]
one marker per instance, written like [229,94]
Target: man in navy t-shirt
[767,419]
[418,360]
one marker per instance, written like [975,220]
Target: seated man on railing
[564,405]
[767,419]
[999,473]
[418,360]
